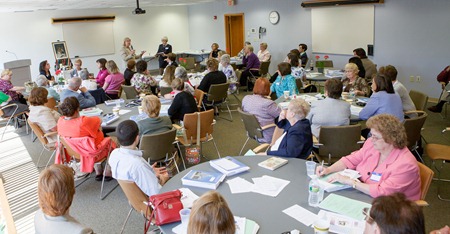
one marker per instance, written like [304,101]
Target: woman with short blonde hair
[210,214]
[353,81]
[154,123]
[263,53]
[56,188]
[213,77]
[113,81]
[127,52]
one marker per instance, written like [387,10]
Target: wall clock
[274,17]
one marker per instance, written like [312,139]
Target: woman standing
[102,73]
[163,49]
[44,69]
[127,52]
[353,81]
[113,81]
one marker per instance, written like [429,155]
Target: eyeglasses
[375,137]
[366,212]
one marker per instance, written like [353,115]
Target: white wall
[412,35]
[30,35]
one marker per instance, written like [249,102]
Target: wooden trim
[6,210]
[82,19]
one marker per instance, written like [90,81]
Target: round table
[265,210]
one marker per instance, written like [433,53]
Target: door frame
[227,30]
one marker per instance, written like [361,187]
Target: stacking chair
[14,117]
[205,129]
[262,71]
[63,144]
[51,103]
[130,91]
[413,129]
[136,199]
[159,148]
[50,147]
[426,176]
[217,96]
[199,94]
[337,141]
[419,99]
[164,90]
[252,127]
[441,153]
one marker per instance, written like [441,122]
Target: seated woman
[226,67]
[153,124]
[213,77]
[214,51]
[183,103]
[9,89]
[102,73]
[297,71]
[43,116]
[353,81]
[296,141]
[384,100]
[285,81]
[210,214]
[113,81]
[263,53]
[78,69]
[180,72]
[394,214]
[44,69]
[385,163]
[72,125]
[171,60]
[169,75]
[142,81]
[41,81]
[130,71]
[358,62]
[320,110]
[14,107]
[264,109]
[56,188]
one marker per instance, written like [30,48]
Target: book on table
[114,102]
[273,163]
[229,166]
[92,111]
[203,179]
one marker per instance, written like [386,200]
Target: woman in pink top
[384,162]
[113,81]
[102,73]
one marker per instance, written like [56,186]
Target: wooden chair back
[38,132]
[426,176]
[51,103]
[199,94]
[206,124]
[135,197]
[157,147]
[419,99]
[69,150]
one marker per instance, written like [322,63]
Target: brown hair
[38,96]
[112,67]
[334,88]
[78,61]
[389,71]
[383,83]
[262,87]
[172,56]
[396,214]
[360,52]
[56,188]
[177,84]
[391,129]
[210,214]
[169,74]
[69,106]
[284,68]
[102,62]
[293,59]
[151,105]
[131,64]
[212,64]
[141,66]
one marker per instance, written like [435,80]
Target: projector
[138,11]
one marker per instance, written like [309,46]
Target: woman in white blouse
[43,116]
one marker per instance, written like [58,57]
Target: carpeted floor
[107,216]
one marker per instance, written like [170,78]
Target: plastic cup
[140,109]
[310,168]
[116,111]
[286,94]
[321,226]
[184,214]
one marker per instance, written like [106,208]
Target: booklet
[203,179]
[229,166]
[273,163]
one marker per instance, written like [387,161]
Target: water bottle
[315,192]
[311,65]
[352,94]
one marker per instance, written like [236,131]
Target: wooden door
[234,33]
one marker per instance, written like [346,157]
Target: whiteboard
[85,39]
[340,30]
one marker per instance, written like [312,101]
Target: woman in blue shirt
[285,81]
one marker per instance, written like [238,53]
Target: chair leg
[181,155]
[240,152]
[40,155]
[440,181]
[126,220]
[214,142]
[51,156]
[103,183]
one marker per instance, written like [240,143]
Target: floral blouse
[6,86]
[142,83]
[297,72]
[359,84]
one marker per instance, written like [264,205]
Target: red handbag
[166,207]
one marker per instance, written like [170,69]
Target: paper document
[122,112]
[226,164]
[188,197]
[342,224]
[239,185]
[240,224]
[301,214]
[344,206]
[355,110]
[268,185]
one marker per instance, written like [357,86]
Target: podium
[21,71]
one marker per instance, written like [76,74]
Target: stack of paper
[229,166]
[355,110]
[188,197]
[243,226]
[93,111]
[342,224]
[137,118]
[114,102]
[336,186]
[268,185]
[203,179]
[344,206]
[301,214]
[239,185]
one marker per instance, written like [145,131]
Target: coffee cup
[321,226]
[116,111]
[184,214]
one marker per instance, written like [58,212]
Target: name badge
[167,48]
[375,176]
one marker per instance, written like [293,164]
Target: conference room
[401,37]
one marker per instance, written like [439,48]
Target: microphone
[131,46]
[12,53]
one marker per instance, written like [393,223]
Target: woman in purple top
[251,63]
[113,81]
[263,108]
[103,73]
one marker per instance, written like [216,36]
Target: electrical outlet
[411,78]
[418,79]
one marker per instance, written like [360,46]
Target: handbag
[193,151]
[166,207]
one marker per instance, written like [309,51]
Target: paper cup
[116,111]
[184,214]
[321,226]
[310,168]
[140,109]
[286,94]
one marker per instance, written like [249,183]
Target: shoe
[79,176]
[435,109]
[99,177]
[108,178]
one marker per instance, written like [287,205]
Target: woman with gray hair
[226,67]
[296,141]
[42,81]
[180,72]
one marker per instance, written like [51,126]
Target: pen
[322,166]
